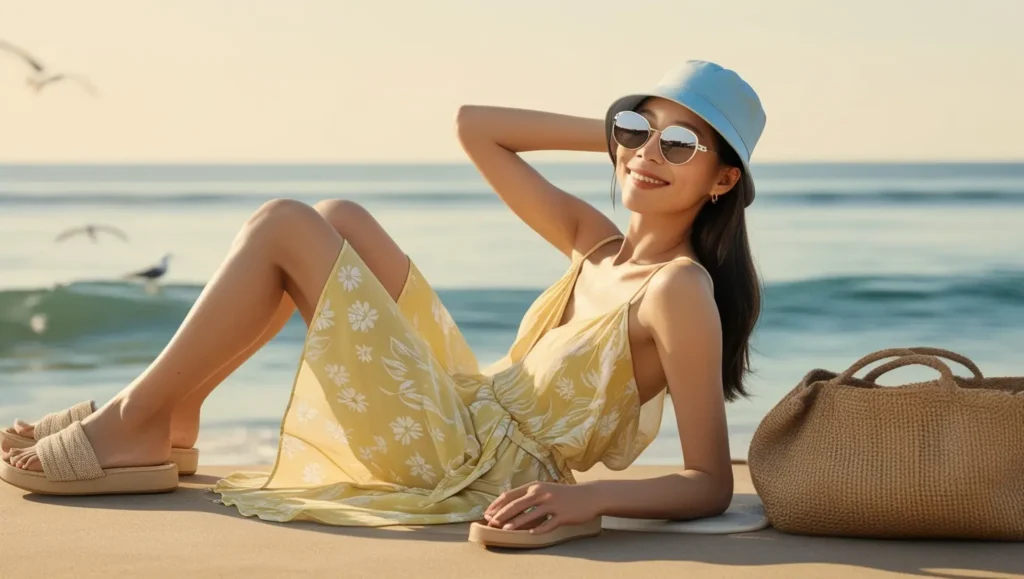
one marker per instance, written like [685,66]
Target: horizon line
[428,163]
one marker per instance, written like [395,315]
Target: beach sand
[186,534]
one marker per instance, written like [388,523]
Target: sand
[186,534]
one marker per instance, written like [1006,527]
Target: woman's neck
[651,239]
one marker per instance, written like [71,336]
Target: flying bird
[41,76]
[92,231]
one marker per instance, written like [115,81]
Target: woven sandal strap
[57,421]
[68,456]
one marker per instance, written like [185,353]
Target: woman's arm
[493,137]
[686,495]
[679,310]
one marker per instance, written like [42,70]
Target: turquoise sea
[855,257]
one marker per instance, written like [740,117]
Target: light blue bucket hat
[716,94]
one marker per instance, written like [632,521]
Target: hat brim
[700,107]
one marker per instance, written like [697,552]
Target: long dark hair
[719,239]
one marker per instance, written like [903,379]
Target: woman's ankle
[138,410]
[184,427]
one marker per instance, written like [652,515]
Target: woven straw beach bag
[844,456]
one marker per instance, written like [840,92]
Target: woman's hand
[550,504]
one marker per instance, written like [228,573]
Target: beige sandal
[187,459]
[70,467]
[487,536]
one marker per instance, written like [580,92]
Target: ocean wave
[857,303]
[87,309]
[91,309]
[83,312]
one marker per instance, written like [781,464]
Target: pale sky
[342,81]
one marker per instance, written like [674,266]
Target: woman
[391,421]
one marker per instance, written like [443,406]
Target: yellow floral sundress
[392,422]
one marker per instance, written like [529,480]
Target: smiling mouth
[644,178]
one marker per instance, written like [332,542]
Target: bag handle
[945,374]
[914,351]
[937,352]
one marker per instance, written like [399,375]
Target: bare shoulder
[681,297]
[590,233]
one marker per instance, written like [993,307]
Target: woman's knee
[341,214]
[280,214]
[280,209]
[357,226]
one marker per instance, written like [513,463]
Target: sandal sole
[487,536]
[116,481]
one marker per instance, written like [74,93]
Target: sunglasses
[631,130]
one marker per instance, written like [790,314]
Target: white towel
[745,514]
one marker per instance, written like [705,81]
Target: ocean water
[854,258]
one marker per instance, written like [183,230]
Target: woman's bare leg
[185,418]
[186,415]
[378,250]
[285,248]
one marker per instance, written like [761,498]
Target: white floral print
[362,316]
[407,359]
[437,434]
[566,389]
[316,346]
[326,317]
[419,467]
[364,353]
[406,429]
[337,373]
[349,277]
[353,399]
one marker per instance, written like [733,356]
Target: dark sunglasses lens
[631,130]
[678,145]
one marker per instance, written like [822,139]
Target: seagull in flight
[91,230]
[41,76]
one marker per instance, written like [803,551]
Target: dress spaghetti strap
[643,286]
[599,245]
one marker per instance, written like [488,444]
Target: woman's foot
[107,429]
[184,429]
[24,428]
